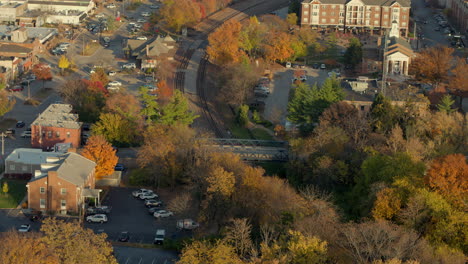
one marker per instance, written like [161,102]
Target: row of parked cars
[262,89]
[60,49]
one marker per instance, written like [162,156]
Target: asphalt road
[129,255]
[431,37]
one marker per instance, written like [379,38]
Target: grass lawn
[240,132]
[261,134]
[16,192]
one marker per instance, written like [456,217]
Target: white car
[112,73]
[114,83]
[154,6]
[147,196]
[100,15]
[145,14]
[162,213]
[141,38]
[140,192]
[288,64]
[26,134]
[111,6]
[129,66]
[24,228]
[97,218]
[113,88]
[141,20]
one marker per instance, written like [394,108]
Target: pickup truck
[187,224]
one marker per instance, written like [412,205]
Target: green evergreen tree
[353,55]
[177,111]
[445,104]
[256,117]
[243,115]
[150,106]
[383,115]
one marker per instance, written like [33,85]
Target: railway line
[239,12]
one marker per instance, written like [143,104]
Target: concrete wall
[57,19]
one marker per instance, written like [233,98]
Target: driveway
[129,255]
[130,214]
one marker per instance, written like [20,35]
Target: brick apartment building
[62,184]
[375,16]
[57,124]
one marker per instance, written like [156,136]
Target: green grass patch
[240,132]
[261,134]
[16,192]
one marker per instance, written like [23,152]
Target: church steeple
[394,31]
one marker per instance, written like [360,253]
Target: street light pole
[3,144]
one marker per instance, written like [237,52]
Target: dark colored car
[85,127]
[124,237]
[119,167]
[315,66]
[20,124]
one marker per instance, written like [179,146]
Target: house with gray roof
[56,124]
[374,16]
[150,53]
[23,162]
[62,184]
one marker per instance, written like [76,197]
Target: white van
[160,235]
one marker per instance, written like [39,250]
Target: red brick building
[62,184]
[374,16]
[459,13]
[57,124]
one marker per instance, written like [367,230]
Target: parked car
[145,14]
[322,66]
[315,65]
[99,210]
[124,236]
[112,73]
[154,6]
[26,134]
[16,88]
[114,83]
[187,224]
[10,131]
[100,15]
[119,167]
[146,196]
[97,218]
[111,6]
[153,203]
[24,228]
[141,38]
[159,237]
[151,210]
[141,20]
[288,64]
[129,66]
[140,192]
[162,213]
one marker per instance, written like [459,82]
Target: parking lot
[130,214]
[129,255]
[277,102]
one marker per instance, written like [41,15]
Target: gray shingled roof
[58,115]
[30,156]
[14,48]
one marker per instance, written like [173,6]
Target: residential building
[57,124]
[150,53]
[9,11]
[62,184]
[459,14]
[23,162]
[17,58]
[375,16]
[397,53]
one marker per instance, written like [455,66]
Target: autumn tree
[71,243]
[235,90]
[42,72]
[277,46]
[238,235]
[117,129]
[177,14]
[292,19]
[459,79]
[124,104]
[25,248]
[382,113]
[87,101]
[180,204]
[6,103]
[100,151]
[448,175]
[176,111]
[63,63]
[99,75]
[387,204]
[251,36]
[224,43]
[164,91]
[432,65]
[201,252]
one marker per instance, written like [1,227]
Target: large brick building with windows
[57,124]
[374,16]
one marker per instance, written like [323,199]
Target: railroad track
[205,28]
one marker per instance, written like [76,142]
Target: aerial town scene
[234,132]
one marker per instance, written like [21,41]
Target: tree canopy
[100,151]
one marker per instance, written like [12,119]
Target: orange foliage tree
[432,65]
[278,47]
[42,72]
[387,204]
[459,80]
[224,43]
[448,176]
[100,151]
[164,91]
[180,13]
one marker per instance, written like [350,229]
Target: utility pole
[385,62]
[3,143]
[29,90]
[415,36]
[83,43]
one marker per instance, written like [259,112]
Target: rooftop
[71,167]
[11,47]
[30,156]
[58,115]
[404,3]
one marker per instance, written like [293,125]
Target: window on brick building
[49,134]
[63,190]
[376,23]
[395,10]
[404,16]
[12,167]
[42,189]
[377,8]
[332,20]
[324,20]
[68,134]
[305,19]
[333,6]
[306,12]
[333,13]
[376,15]
[395,17]
[341,14]
[42,203]
[57,134]
[341,21]
[63,204]
[324,13]
[25,168]
[385,23]
[315,13]
[385,16]
[315,6]
[403,24]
